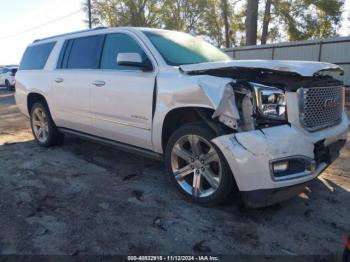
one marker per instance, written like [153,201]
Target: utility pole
[89,7]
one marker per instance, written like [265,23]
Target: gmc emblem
[331,103]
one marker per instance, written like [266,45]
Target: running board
[118,145]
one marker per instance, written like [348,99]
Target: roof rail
[70,33]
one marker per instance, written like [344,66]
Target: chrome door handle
[59,80]
[99,83]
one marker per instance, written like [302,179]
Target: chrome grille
[320,107]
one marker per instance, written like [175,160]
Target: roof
[99,28]
[8,66]
[70,33]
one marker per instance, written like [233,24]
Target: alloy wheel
[196,165]
[40,125]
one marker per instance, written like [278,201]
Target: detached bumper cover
[249,154]
[268,197]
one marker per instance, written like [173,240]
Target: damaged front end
[286,128]
[245,106]
[253,98]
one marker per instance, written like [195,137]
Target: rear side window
[82,53]
[119,43]
[35,57]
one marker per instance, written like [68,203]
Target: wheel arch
[179,116]
[34,97]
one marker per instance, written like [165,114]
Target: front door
[121,96]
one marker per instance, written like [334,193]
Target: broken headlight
[270,102]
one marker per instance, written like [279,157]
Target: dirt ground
[85,198]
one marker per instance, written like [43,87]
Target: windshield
[179,48]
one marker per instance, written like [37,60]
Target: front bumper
[249,155]
[267,197]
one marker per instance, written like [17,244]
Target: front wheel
[196,166]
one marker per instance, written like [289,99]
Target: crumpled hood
[303,68]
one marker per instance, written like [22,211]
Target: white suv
[264,127]
[7,77]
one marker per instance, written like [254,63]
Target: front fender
[191,91]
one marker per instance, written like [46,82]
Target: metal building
[333,50]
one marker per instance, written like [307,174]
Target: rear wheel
[44,129]
[196,166]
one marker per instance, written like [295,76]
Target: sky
[21,23]
[17,16]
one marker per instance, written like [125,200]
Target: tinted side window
[35,57]
[119,43]
[84,52]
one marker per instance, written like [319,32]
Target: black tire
[226,184]
[8,86]
[54,136]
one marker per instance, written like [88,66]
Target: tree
[301,19]
[213,19]
[226,23]
[125,12]
[212,23]
[183,15]
[172,14]
[238,23]
[252,22]
[266,21]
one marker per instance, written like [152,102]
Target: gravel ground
[85,198]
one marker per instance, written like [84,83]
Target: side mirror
[133,59]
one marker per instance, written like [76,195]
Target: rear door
[77,66]
[121,105]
